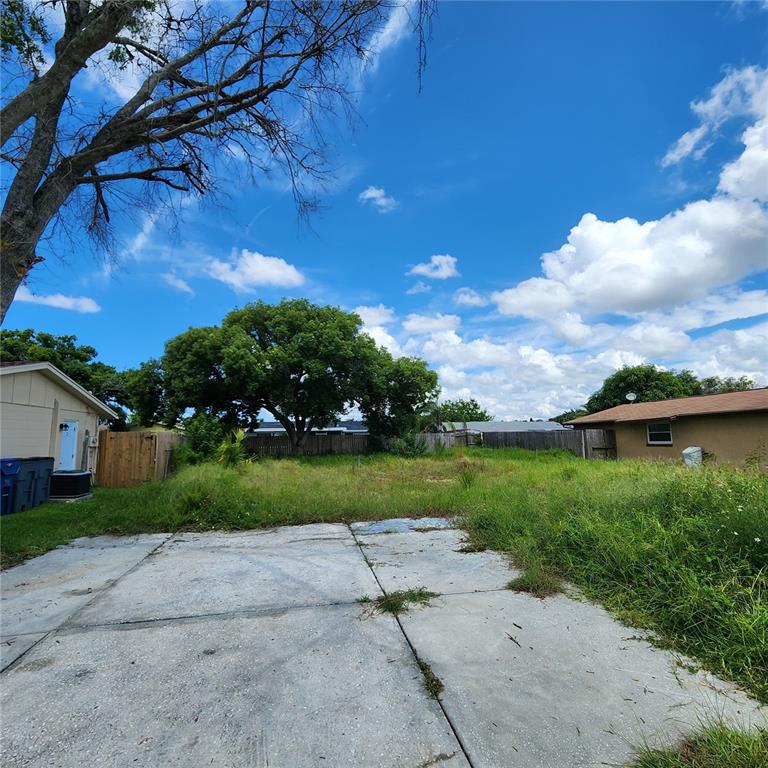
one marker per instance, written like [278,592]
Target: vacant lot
[682,552]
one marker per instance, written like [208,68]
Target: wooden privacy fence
[314,444]
[587,443]
[132,458]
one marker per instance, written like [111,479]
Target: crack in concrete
[416,658]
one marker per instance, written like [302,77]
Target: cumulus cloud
[384,338]
[378,315]
[439,267]
[627,266]
[747,176]
[467,297]
[419,324]
[82,304]
[177,282]
[249,270]
[379,199]
[419,287]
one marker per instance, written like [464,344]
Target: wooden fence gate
[132,458]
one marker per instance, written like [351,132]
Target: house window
[659,434]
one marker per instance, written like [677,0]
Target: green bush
[204,435]
[409,446]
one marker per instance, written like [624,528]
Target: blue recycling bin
[9,474]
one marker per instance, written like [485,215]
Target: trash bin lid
[10,466]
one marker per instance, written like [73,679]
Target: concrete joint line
[415,655]
[99,592]
[34,645]
[96,593]
[187,618]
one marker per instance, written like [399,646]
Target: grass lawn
[714,747]
[679,551]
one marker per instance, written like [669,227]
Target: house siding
[728,437]
[31,408]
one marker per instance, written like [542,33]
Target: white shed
[43,412]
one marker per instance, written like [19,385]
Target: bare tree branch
[258,75]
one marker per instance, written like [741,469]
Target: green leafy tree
[304,364]
[715,385]
[143,390]
[647,381]
[561,418]
[394,394]
[459,410]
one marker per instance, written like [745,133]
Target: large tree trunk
[14,265]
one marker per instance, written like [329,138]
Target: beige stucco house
[732,427]
[43,412]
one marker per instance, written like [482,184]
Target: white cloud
[740,352]
[688,144]
[249,270]
[731,304]
[378,315]
[395,29]
[178,283]
[419,324]
[439,267]
[467,297]
[82,304]
[378,197]
[384,338]
[741,93]
[747,176]
[419,287]
[628,267]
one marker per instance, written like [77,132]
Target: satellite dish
[631,396]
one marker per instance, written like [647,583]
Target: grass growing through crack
[714,747]
[680,552]
[398,602]
[432,682]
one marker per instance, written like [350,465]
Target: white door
[68,447]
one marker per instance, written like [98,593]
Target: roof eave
[66,382]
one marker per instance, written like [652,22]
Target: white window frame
[658,424]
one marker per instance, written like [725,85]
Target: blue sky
[576,187]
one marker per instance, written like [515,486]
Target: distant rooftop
[509,426]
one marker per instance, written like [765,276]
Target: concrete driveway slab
[558,683]
[433,559]
[301,688]
[198,574]
[42,593]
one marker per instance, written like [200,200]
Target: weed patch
[398,602]
[432,682]
[715,747]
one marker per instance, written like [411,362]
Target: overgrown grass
[682,552]
[715,747]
